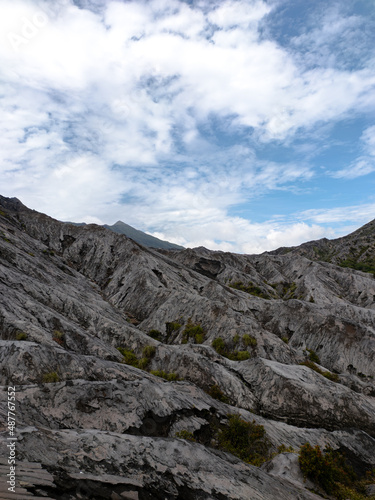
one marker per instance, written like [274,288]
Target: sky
[239,125]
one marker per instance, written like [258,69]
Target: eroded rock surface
[71,295]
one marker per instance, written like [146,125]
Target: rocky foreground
[128,363]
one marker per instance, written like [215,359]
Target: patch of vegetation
[313,356]
[195,332]
[129,356]
[155,334]
[250,288]
[58,337]
[367,266]
[48,252]
[21,336]
[289,290]
[219,345]
[172,327]
[249,340]
[224,350]
[51,378]
[184,434]
[131,359]
[331,376]
[331,472]
[215,392]
[285,339]
[285,289]
[171,376]
[285,449]
[246,440]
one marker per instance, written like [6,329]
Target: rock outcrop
[91,321]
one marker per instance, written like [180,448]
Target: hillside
[129,362]
[357,250]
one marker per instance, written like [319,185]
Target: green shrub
[171,377]
[216,393]
[242,356]
[172,326]
[333,377]
[155,334]
[328,470]
[21,336]
[195,332]
[149,351]
[249,340]
[236,339]
[219,345]
[129,357]
[313,356]
[184,434]
[221,348]
[285,339]
[143,363]
[249,288]
[50,378]
[246,440]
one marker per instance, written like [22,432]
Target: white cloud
[105,112]
[363,165]
[356,213]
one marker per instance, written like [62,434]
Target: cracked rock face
[96,427]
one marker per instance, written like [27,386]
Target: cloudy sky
[241,125]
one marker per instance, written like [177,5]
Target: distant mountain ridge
[356,250]
[142,238]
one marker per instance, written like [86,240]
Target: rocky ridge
[71,295]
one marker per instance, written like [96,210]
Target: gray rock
[71,295]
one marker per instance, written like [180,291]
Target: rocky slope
[102,428]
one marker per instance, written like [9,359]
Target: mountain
[140,237]
[357,250]
[193,374]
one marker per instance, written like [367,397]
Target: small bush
[50,378]
[21,336]
[155,334]
[236,339]
[327,469]
[171,377]
[333,377]
[194,332]
[172,326]
[184,434]
[285,339]
[129,357]
[313,356]
[149,351]
[221,348]
[246,440]
[219,345]
[143,363]
[250,288]
[249,340]
[216,393]
[242,356]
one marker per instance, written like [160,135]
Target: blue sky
[236,125]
